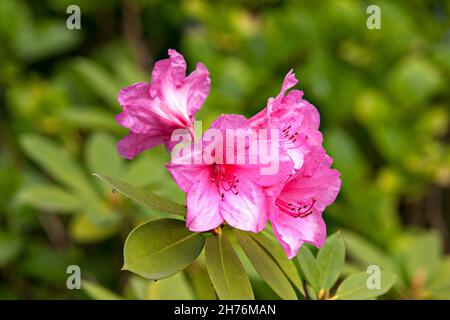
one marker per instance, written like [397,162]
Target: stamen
[224,181]
[296,210]
[290,141]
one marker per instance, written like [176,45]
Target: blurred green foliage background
[383,96]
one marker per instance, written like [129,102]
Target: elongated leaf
[423,255]
[439,287]
[309,266]
[98,211]
[99,79]
[367,254]
[137,170]
[312,293]
[266,267]
[350,268]
[91,117]
[248,266]
[277,253]
[145,197]
[160,248]
[10,247]
[101,155]
[199,279]
[83,230]
[98,292]
[174,288]
[61,166]
[330,259]
[137,288]
[44,39]
[49,197]
[358,286]
[56,161]
[226,270]
[348,156]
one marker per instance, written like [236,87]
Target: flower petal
[296,155]
[197,86]
[246,210]
[187,174]
[230,121]
[316,181]
[203,203]
[177,98]
[137,115]
[292,232]
[289,81]
[275,172]
[175,65]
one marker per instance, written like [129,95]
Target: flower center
[289,137]
[224,180]
[297,210]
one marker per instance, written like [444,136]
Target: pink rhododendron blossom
[296,207]
[297,120]
[223,182]
[223,189]
[152,111]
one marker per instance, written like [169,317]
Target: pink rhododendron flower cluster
[219,188]
[152,111]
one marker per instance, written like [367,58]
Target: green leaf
[101,155]
[199,279]
[266,267]
[160,248]
[439,287]
[137,288]
[44,39]
[312,293]
[356,286]
[309,266]
[423,255]
[277,253]
[145,197]
[10,247]
[83,230]
[99,80]
[49,198]
[350,268]
[56,161]
[90,117]
[349,159]
[367,254]
[44,263]
[98,292]
[226,270]
[137,170]
[100,212]
[174,288]
[413,80]
[331,258]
